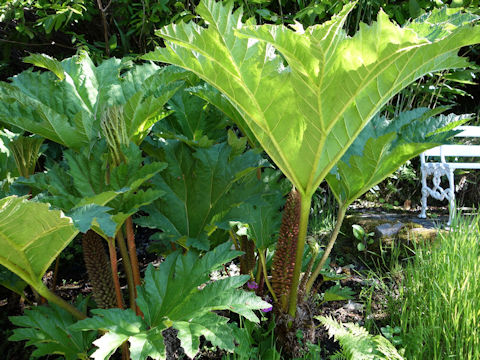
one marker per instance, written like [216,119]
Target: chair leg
[451,197]
[423,213]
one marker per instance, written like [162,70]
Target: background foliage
[192,138]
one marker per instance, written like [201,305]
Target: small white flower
[215,275]
[233,269]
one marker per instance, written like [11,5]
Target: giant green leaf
[31,237]
[177,295]
[65,104]
[7,162]
[12,281]
[217,99]
[259,215]
[307,93]
[80,188]
[196,186]
[193,118]
[383,146]
[47,328]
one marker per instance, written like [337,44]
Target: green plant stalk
[57,300]
[234,239]
[340,216]
[305,203]
[55,273]
[302,287]
[128,270]
[132,250]
[258,276]
[261,255]
[114,265]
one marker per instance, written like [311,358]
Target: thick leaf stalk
[285,254]
[98,269]
[132,291]
[57,300]
[315,249]
[305,204]
[132,250]
[114,266]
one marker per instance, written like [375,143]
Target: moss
[417,233]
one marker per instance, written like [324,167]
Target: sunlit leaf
[307,93]
[32,237]
[383,146]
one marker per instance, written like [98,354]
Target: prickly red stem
[114,266]
[127,265]
[132,250]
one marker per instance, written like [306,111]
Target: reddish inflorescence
[284,258]
[98,268]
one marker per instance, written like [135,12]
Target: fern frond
[357,343]
[338,356]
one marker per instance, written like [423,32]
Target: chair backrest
[456,150]
[468,131]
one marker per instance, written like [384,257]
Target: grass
[440,296]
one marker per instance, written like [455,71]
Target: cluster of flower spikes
[284,258]
[247,261]
[99,271]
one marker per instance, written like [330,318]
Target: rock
[419,233]
[353,306]
[388,229]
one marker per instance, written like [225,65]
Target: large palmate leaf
[12,281]
[47,328]
[32,236]
[217,99]
[307,111]
[65,105]
[79,187]
[193,118]
[260,221]
[196,186]
[8,167]
[259,215]
[177,295]
[383,146]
